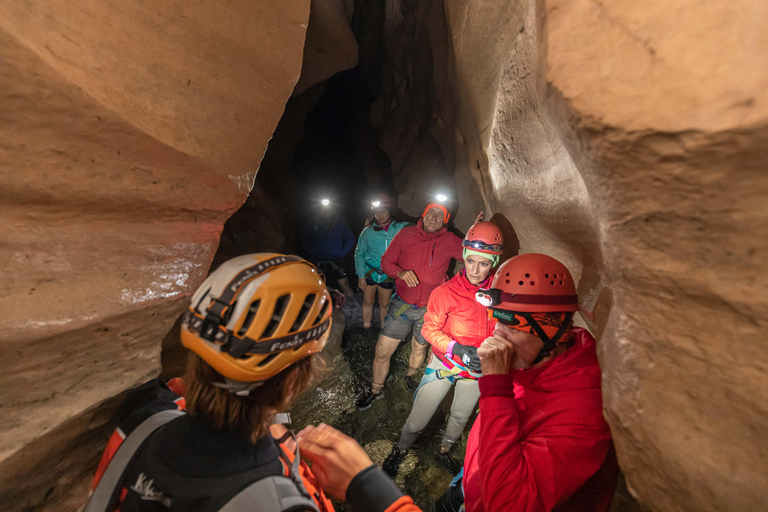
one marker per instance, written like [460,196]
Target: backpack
[268,494]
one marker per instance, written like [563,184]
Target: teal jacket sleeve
[361,251]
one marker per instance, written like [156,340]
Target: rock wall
[627,139]
[128,134]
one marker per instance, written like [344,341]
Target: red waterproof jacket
[427,254]
[540,441]
[454,314]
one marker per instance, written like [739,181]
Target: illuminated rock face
[629,140]
[128,135]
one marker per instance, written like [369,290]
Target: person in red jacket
[455,325]
[418,259]
[540,441]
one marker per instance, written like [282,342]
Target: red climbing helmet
[534,283]
[485,237]
[381,201]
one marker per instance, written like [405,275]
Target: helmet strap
[549,343]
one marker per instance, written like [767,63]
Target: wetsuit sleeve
[360,253]
[434,321]
[390,260]
[542,470]
[373,491]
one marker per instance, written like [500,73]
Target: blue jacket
[371,244]
[329,244]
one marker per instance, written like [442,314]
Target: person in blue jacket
[371,244]
[326,239]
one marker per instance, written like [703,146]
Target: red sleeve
[536,473]
[390,260]
[457,248]
[434,321]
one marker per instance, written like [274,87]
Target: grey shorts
[397,325]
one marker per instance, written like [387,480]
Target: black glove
[468,356]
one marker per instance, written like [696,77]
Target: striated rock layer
[128,134]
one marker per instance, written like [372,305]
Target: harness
[378,272]
[430,374]
[268,494]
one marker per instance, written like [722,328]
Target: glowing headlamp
[325,202]
[441,197]
[376,204]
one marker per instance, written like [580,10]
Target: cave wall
[128,134]
[628,140]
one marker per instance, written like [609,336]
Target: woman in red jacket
[455,324]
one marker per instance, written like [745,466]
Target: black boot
[393,461]
[412,382]
[365,400]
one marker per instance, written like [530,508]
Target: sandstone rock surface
[128,135]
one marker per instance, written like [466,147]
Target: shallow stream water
[424,474]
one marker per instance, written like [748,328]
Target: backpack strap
[111,483]
[268,495]
[272,493]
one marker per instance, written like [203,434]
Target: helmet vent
[561,282]
[308,302]
[268,359]
[280,305]
[546,275]
[552,282]
[254,307]
[533,283]
[322,312]
[520,283]
[527,275]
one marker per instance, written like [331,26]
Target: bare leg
[344,285]
[384,296]
[385,347]
[368,297]
[417,356]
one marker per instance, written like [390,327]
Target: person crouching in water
[253,329]
[541,409]
[455,324]
[371,244]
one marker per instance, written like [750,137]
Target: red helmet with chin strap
[528,286]
[485,237]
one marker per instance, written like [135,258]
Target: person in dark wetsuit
[253,328]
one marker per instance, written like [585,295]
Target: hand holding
[496,355]
[479,217]
[468,356]
[336,458]
[410,278]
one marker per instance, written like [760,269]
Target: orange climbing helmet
[381,201]
[534,283]
[256,315]
[484,237]
[534,293]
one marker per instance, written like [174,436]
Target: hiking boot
[394,459]
[444,448]
[366,398]
[412,382]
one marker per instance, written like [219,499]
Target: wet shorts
[387,285]
[397,327]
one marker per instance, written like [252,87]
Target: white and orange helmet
[257,314]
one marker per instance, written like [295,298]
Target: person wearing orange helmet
[540,441]
[371,245]
[253,329]
[455,324]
